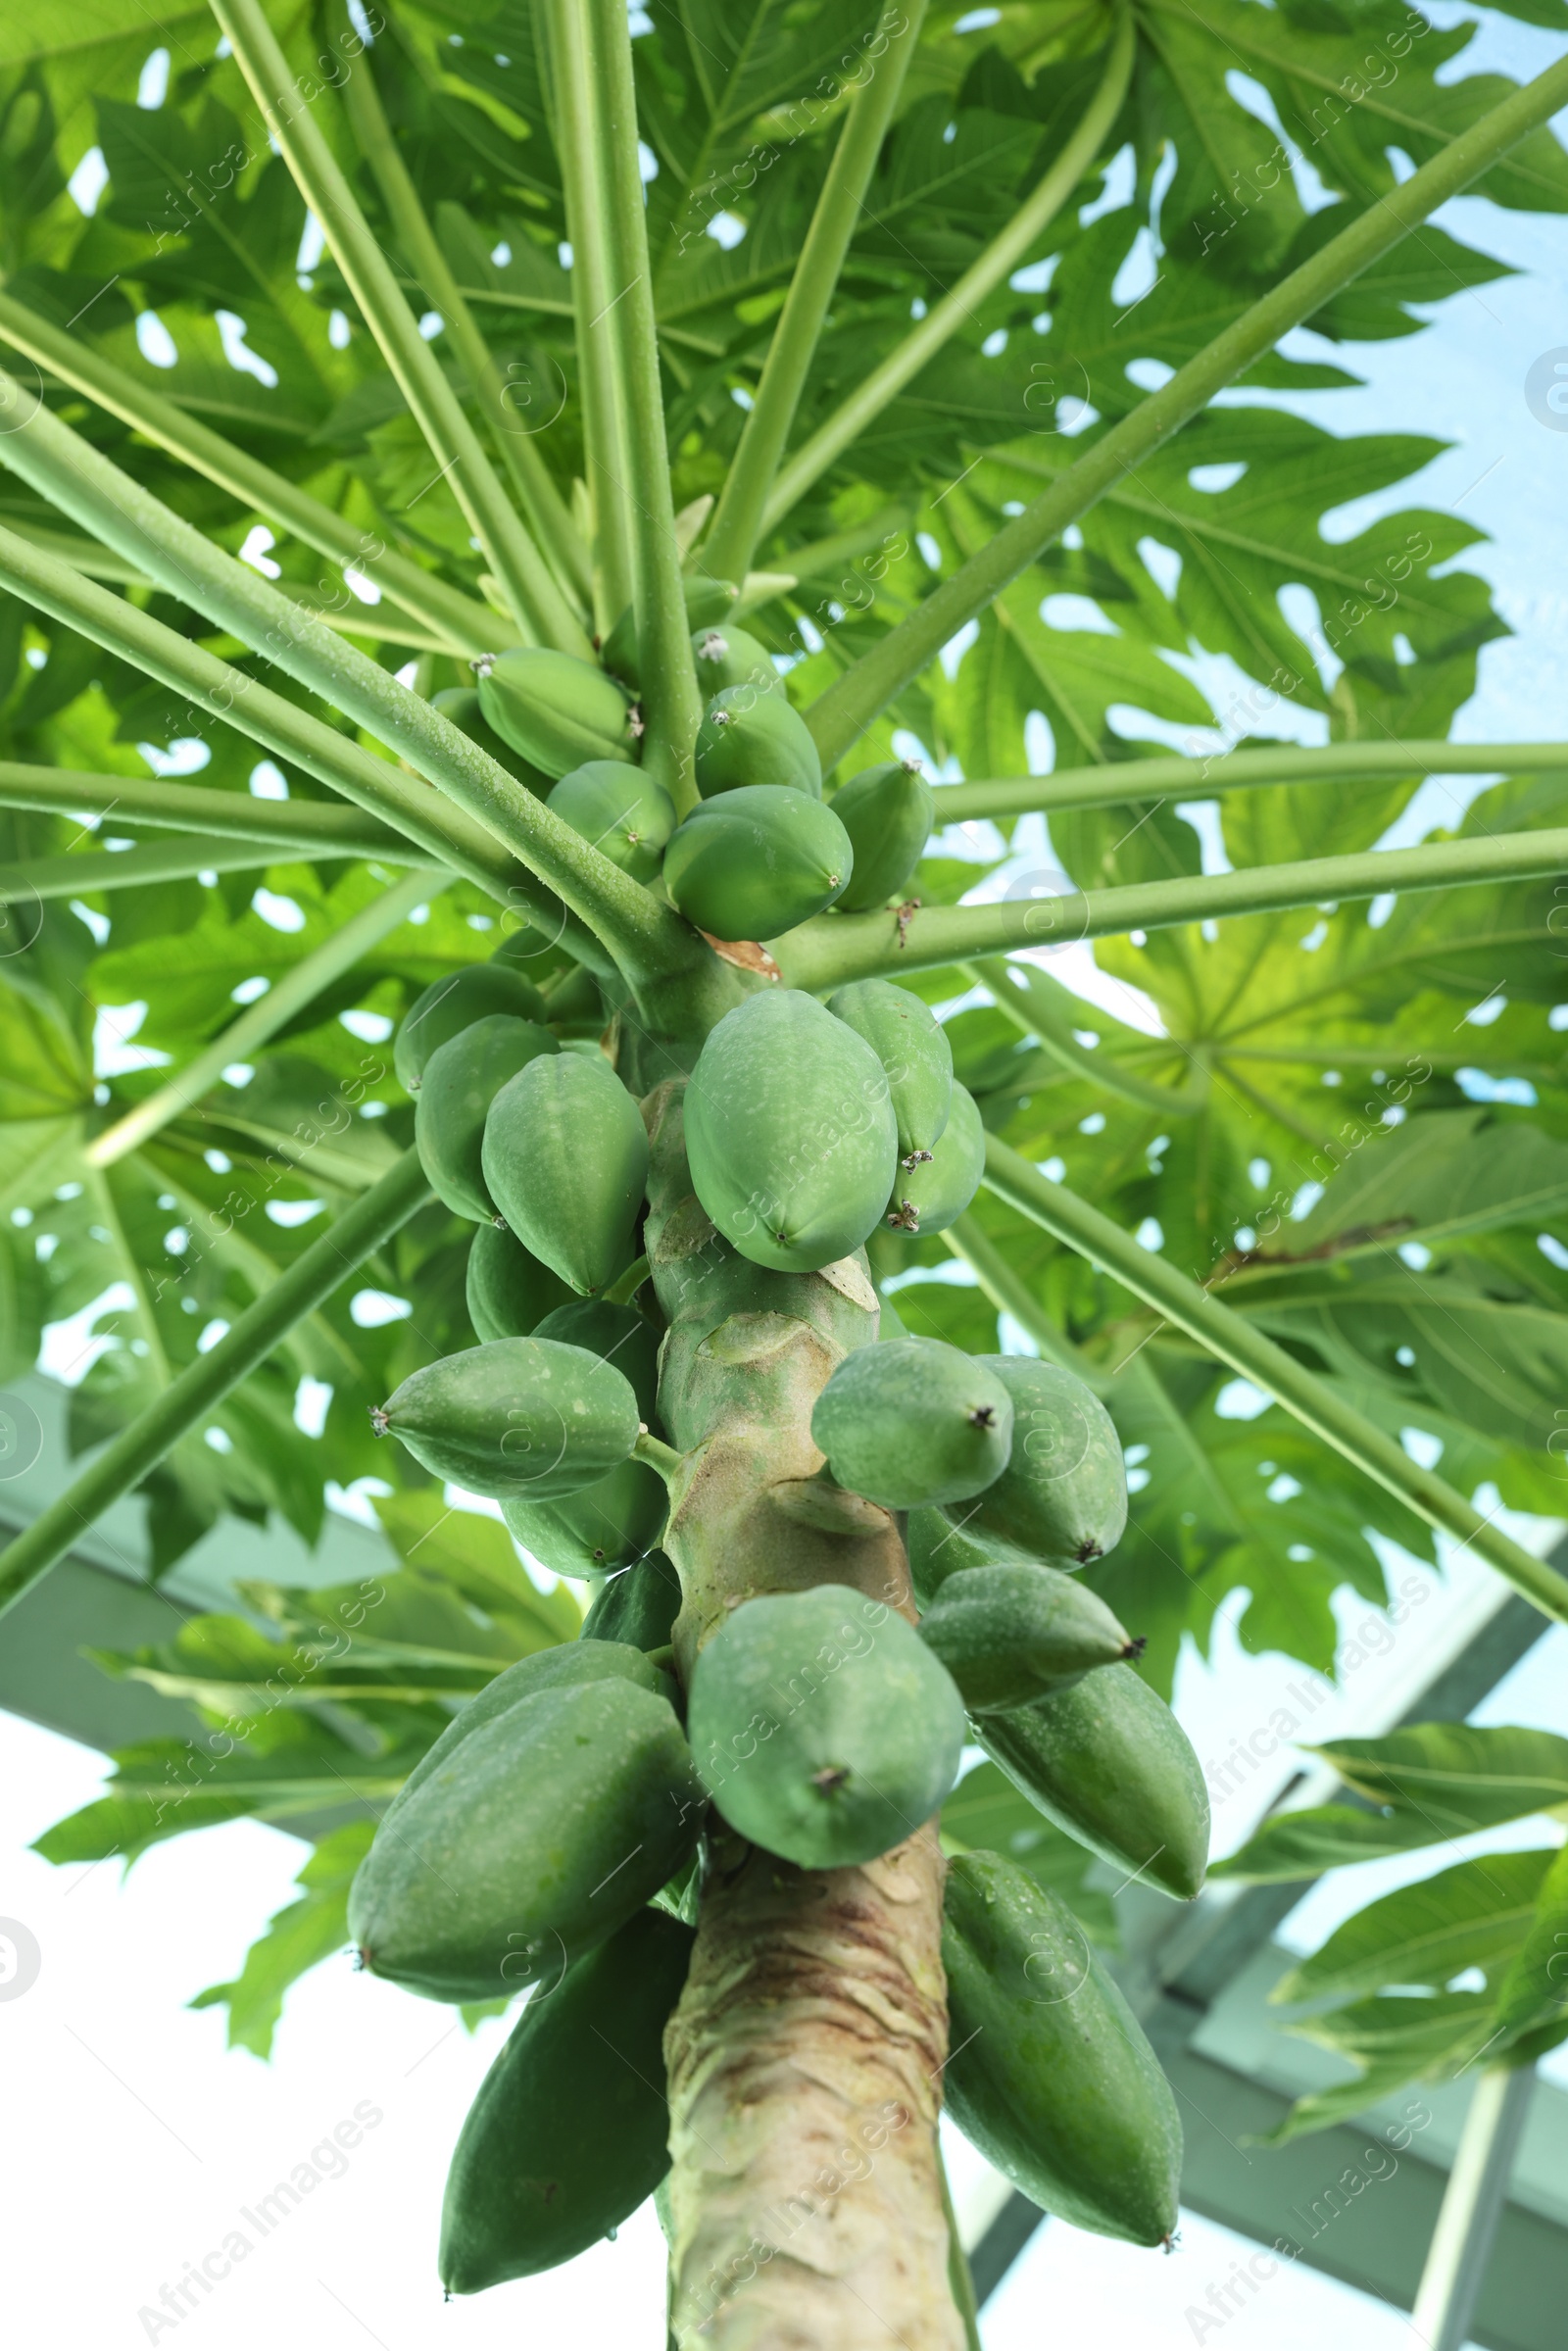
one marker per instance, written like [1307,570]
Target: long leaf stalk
[1010,1295]
[860,410]
[737,522]
[673,702]
[83,872]
[581,144]
[1042,1008]
[355,1235]
[542,504]
[456,452]
[468,626]
[849,707]
[287,828]
[832,949]
[261,1022]
[1200,778]
[642,934]
[1231,1338]
[215,690]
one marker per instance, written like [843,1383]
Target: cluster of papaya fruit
[554,1839]
[763,851]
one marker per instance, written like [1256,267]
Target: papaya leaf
[1477,1914]
[1324,1836]
[1534,1990]
[1458,1776]
[298,1938]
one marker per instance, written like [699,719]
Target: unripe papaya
[754,862]
[519,1417]
[1051,2075]
[508,1293]
[1063,1493]
[622,810]
[823,1728]
[638,1607]
[605,1525]
[567,2134]
[556,711]
[1010,1632]
[911,1045]
[938,1550]
[565,1157]
[1107,1761]
[457,1087]
[888,813]
[461,704]
[451,1004]
[789,1132]
[707,600]
[528,1844]
[730,656]
[750,735]
[935,1193]
[617,1334]
[563,1666]
[913,1422]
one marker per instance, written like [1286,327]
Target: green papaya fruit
[938,1550]
[567,1665]
[565,1157]
[557,711]
[457,1087]
[750,735]
[790,1132]
[609,1525]
[913,1422]
[823,1728]
[518,1417]
[911,1045]
[1063,1493]
[567,2134]
[707,600]
[1107,1761]
[461,704]
[531,1841]
[1052,2075]
[754,862]
[451,1004]
[1010,1632]
[622,810]
[888,813]
[617,1334]
[638,1607]
[730,656]
[510,1293]
[934,1192]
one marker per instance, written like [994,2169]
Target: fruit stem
[625,1286]
[659,1456]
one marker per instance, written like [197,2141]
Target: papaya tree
[708,420]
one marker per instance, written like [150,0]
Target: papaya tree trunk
[805,2058]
